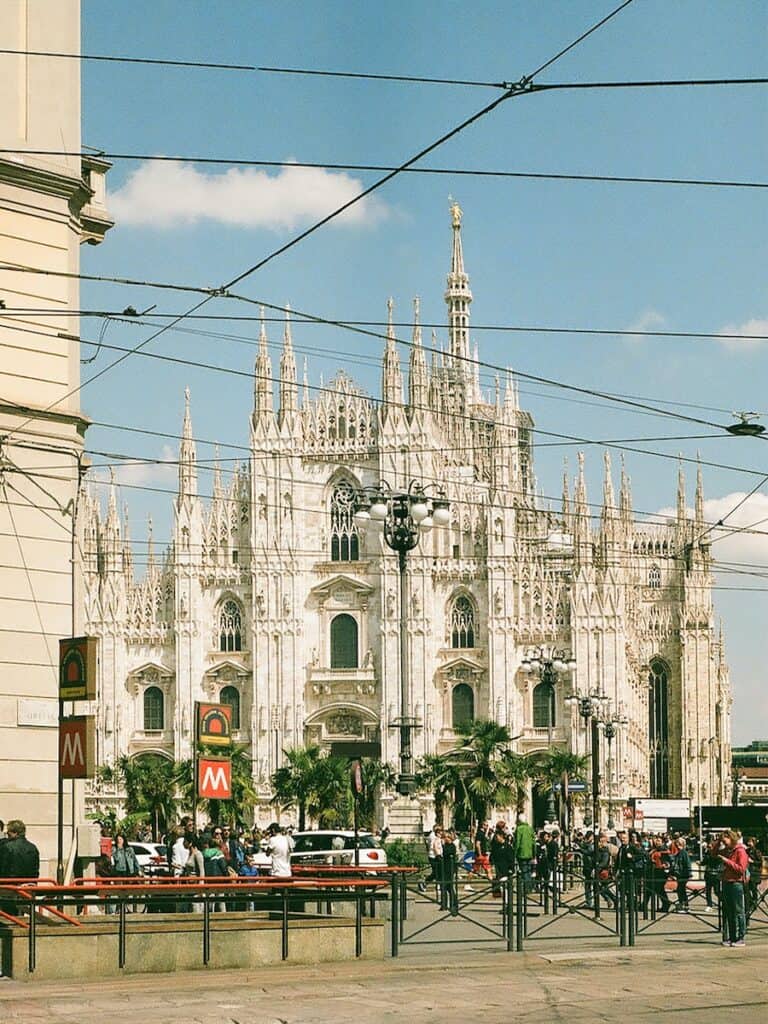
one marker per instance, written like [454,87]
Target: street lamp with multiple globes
[590,707]
[549,663]
[405,517]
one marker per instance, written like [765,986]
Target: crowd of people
[731,868]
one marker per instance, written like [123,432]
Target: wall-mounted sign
[77,747]
[214,778]
[214,725]
[38,712]
[77,668]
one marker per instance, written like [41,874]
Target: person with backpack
[713,871]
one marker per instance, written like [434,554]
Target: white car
[152,858]
[336,846]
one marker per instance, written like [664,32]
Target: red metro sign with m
[214,778]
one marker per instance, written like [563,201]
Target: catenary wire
[455,171]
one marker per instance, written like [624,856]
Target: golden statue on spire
[455,212]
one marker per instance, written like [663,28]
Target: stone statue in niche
[498,601]
[415,605]
[286,605]
[368,659]
[391,603]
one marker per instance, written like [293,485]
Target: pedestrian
[194,867]
[658,873]
[553,855]
[735,859]
[179,852]
[482,844]
[604,870]
[500,856]
[280,847]
[681,870]
[19,858]
[755,873]
[587,851]
[124,863]
[524,850]
[450,860]
[434,842]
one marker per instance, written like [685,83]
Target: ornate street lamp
[405,517]
[590,707]
[550,664]
[610,726]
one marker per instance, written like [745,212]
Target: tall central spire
[458,297]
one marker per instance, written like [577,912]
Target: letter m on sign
[214,778]
[76,747]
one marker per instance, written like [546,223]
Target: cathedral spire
[262,385]
[699,510]
[391,380]
[458,297]
[218,490]
[187,456]
[418,378]
[511,405]
[681,509]
[305,386]
[625,498]
[609,498]
[289,389]
[582,534]
[566,506]
[150,547]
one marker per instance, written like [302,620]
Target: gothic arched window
[154,709]
[462,623]
[544,706]
[463,706]
[658,729]
[654,577]
[344,642]
[230,627]
[231,695]
[345,543]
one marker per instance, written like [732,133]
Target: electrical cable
[454,171]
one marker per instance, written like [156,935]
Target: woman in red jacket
[735,860]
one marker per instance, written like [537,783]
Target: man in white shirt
[179,854]
[280,846]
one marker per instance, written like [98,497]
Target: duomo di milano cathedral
[271,600]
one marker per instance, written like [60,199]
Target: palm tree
[436,773]
[150,788]
[375,775]
[561,766]
[308,782]
[479,759]
[517,770]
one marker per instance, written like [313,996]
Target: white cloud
[757,325]
[161,473]
[165,195]
[648,320]
[743,545]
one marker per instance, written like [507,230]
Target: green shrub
[402,854]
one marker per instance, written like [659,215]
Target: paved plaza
[570,970]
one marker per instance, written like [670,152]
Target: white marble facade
[270,599]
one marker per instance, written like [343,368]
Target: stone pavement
[692,981]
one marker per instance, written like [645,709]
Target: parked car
[152,858]
[336,846]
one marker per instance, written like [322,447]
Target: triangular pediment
[341,582]
[460,664]
[226,668]
[151,668]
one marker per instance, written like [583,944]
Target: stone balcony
[341,684]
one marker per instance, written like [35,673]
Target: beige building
[49,205]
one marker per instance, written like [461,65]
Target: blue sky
[563,254]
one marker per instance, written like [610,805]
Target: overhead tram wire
[378,168]
[513,92]
[306,317]
[347,356]
[16,311]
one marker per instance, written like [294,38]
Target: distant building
[270,599]
[750,773]
[49,205]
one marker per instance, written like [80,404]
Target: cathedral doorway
[540,805]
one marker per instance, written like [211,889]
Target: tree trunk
[302,815]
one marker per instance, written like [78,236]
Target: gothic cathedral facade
[271,599]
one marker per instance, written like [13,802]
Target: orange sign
[214,724]
[77,668]
[77,747]
[214,778]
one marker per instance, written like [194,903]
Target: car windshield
[311,842]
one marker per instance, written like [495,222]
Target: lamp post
[405,517]
[590,707]
[550,664]
[610,725]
